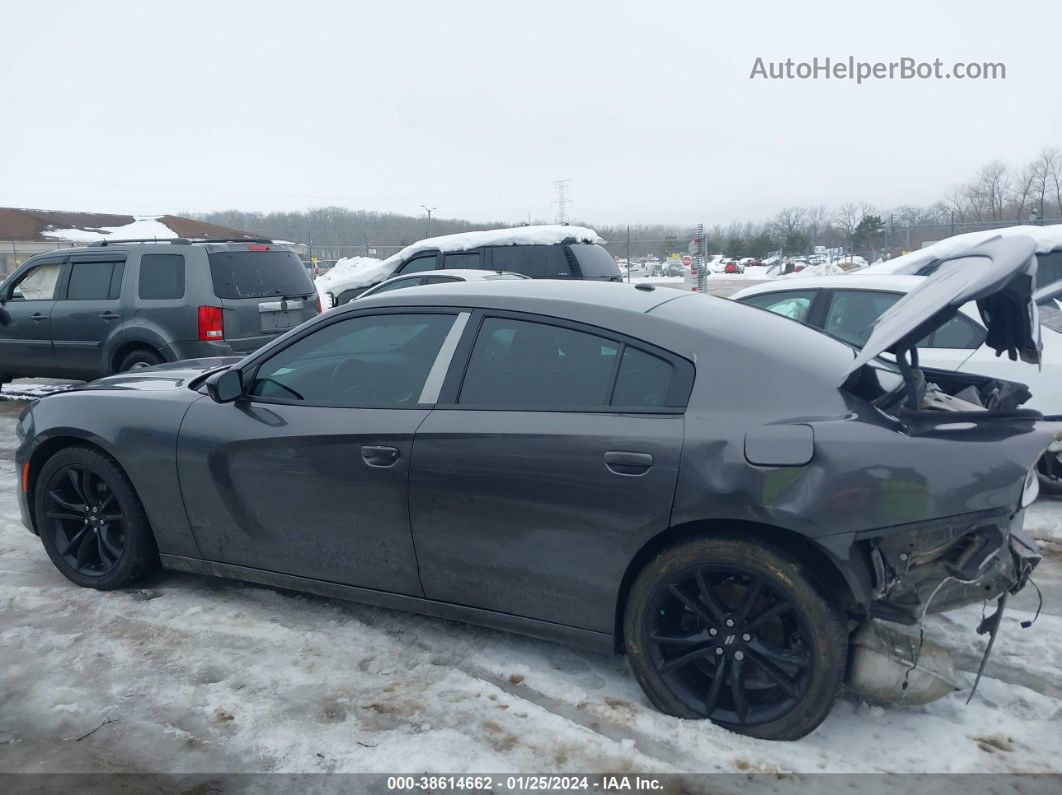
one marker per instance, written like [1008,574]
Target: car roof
[162,246]
[845,281]
[466,274]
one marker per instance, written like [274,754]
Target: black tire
[108,548]
[779,674]
[141,357]
[1049,471]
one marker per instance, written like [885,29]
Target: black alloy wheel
[91,521]
[733,630]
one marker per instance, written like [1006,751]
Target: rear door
[544,467]
[26,338]
[88,310]
[262,291]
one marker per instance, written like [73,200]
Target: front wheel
[90,520]
[139,358]
[733,630]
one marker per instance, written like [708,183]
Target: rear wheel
[733,631]
[141,357]
[90,520]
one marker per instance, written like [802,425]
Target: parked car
[439,277]
[733,266]
[541,252]
[702,484]
[848,306]
[82,313]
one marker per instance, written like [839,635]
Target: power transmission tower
[562,201]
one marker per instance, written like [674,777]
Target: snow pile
[144,227]
[825,269]
[1048,238]
[346,269]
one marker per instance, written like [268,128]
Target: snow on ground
[145,227]
[193,674]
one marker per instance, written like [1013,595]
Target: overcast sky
[475,108]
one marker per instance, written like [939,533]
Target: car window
[441,279]
[595,261]
[793,304]
[643,380]
[538,262]
[398,284]
[161,276]
[520,364]
[418,264]
[852,313]
[959,332]
[95,280]
[38,283]
[375,360]
[258,274]
[465,259]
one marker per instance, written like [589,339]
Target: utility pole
[628,253]
[429,211]
[562,201]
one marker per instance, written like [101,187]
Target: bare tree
[1045,166]
[989,191]
[846,218]
[1022,189]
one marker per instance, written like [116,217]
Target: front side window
[95,281]
[398,284]
[519,364]
[419,264]
[793,304]
[161,276]
[37,284]
[374,360]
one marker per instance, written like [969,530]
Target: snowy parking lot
[191,674]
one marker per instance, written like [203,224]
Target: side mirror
[225,386]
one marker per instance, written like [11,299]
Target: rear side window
[595,262]
[517,364]
[794,304]
[643,380]
[853,312]
[95,280]
[161,276]
[464,259]
[258,274]
[538,262]
[959,332]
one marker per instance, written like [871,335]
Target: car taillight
[257,247]
[211,325]
[26,477]
[319,310]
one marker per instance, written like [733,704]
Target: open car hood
[999,274]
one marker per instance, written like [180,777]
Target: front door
[556,460]
[308,474]
[26,336]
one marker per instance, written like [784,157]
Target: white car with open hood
[975,314]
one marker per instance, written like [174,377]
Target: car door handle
[108,315]
[379,455]
[623,463]
[38,317]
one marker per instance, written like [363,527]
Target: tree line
[998,194]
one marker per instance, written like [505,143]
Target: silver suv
[83,313]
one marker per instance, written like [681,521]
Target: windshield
[595,262]
[257,274]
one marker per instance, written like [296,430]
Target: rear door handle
[108,315]
[379,455]
[38,317]
[620,462]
